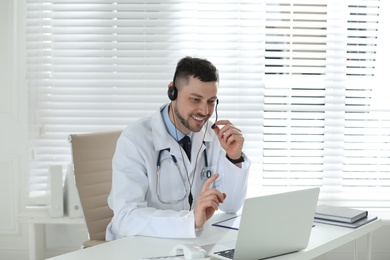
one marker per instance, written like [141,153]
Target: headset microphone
[216,114]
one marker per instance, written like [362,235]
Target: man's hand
[208,202]
[230,137]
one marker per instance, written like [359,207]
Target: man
[157,189]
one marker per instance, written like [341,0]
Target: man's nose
[204,108]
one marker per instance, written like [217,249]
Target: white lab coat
[137,205]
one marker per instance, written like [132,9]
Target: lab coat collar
[163,140]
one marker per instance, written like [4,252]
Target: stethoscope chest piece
[206,173]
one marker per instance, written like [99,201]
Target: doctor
[157,189]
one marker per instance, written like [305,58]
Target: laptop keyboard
[226,253]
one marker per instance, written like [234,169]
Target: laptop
[271,225]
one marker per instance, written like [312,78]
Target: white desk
[37,237]
[324,238]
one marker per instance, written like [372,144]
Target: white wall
[14,243]
[13,236]
[14,155]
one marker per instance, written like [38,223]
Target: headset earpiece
[172,93]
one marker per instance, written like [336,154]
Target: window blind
[322,125]
[100,65]
[302,79]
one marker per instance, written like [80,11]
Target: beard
[185,122]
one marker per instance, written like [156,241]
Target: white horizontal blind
[300,78]
[99,65]
[367,119]
[323,124]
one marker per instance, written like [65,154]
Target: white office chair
[92,159]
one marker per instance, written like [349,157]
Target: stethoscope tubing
[206,173]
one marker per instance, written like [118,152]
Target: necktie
[185,142]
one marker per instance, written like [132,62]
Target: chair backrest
[92,161]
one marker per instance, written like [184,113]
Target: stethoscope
[205,174]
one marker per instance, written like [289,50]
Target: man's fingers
[211,201]
[212,195]
[209,181]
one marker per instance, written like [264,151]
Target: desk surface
[324,238]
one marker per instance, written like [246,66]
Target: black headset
[172,95]
[216,114]
[172,92]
